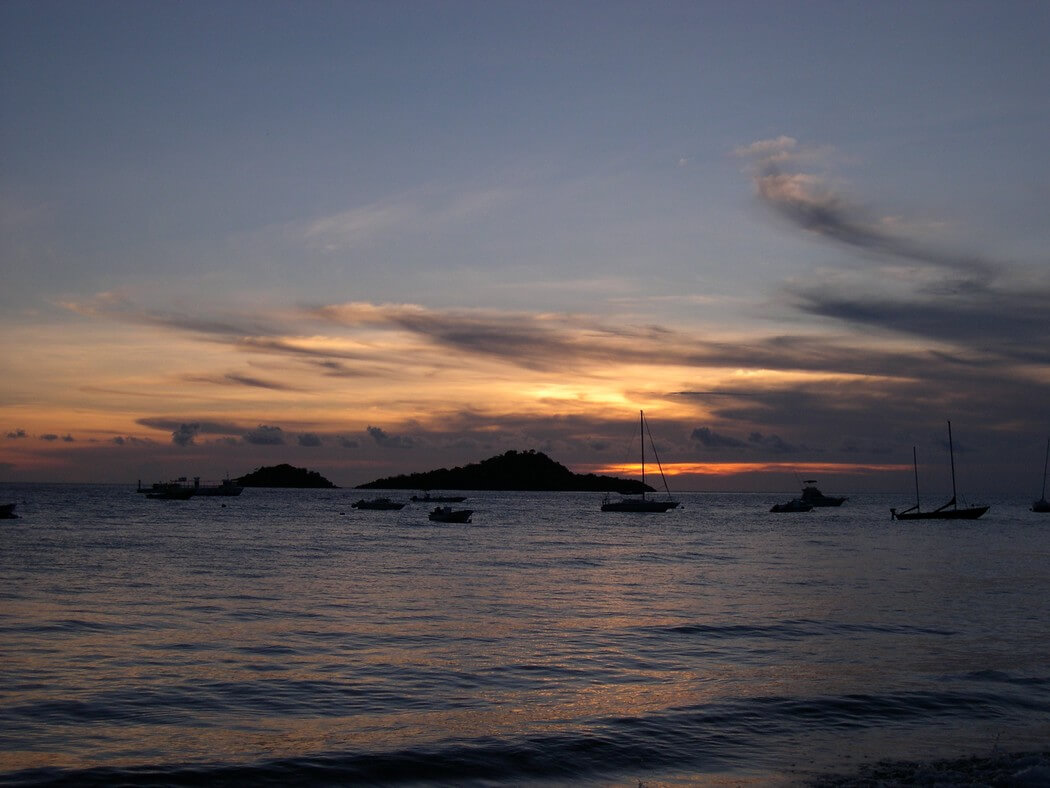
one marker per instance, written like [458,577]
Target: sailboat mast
[915,467]
[1045,460]
[951,453]
[641,436]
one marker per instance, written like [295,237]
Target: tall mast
[641,436]
[951,453]
[915,467]
[1045,460]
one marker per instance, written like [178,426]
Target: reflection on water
[714,639]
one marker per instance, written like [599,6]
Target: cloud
[131,440]
[809,202]
[185,434]
[234,379]
[348,443]
[16,434]
[712,440]
[423,210]
[390,441]
[265,435]
[202,426]
[773,443]
[309,439]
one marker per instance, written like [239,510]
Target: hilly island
[527,470]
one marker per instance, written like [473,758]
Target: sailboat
[643,504]
[1042,505]
[943,512]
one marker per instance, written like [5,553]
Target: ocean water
[283,637]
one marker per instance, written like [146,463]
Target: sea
[283,637]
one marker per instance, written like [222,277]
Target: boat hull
[1041,506]
[639,506]
[792,506]
[448,515]
[970,513]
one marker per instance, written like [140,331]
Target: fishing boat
[814,497]
[794,505]
[950,510]
[226,488]
[446,514]
[1042,505]
[378,504]
[642,504]
[170,492]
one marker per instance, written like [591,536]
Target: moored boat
[814,497]
[642,504]
[794,505]
[1042,505]
[446,514]
[950,510]
[226,487]
[170,492]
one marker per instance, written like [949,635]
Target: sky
[372,238]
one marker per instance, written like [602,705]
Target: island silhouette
[283,475]
[512,471]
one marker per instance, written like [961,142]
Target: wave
[705,739]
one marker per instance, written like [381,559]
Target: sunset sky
[371,238]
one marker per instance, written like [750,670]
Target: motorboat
[794,505]
[642,504]
[814,497]
[446,514]
[378,504]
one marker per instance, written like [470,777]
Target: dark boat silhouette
[642,504]
[814,497]
[1042,505]
[794,505]
[950,510]
[446,514]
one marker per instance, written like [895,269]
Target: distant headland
[283,475]
[527,470]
